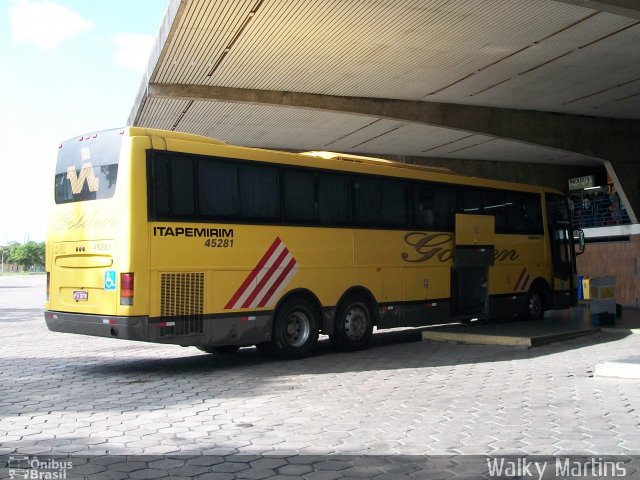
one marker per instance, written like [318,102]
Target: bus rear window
[87,167]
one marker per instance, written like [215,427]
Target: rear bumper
[207,330]
[126,328]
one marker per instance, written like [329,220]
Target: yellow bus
[175,238]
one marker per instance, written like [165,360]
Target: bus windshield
[87,167]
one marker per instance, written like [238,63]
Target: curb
[505,340]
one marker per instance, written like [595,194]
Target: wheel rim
[297,329]
[535,305]
[355,322]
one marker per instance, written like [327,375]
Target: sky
[67,67]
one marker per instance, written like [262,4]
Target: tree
[30,254]
[7,252]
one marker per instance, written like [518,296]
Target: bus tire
[295,329]
[535,309]
[354,325]
[221,350]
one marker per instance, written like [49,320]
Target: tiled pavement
[402,408]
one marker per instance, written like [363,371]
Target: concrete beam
[544,175]
[624,8]
[166,34]
[608,139]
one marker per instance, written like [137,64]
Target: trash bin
[585,287]
[602,300]
[580,290]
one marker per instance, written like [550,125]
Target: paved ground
[319,418]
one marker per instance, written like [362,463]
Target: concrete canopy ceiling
[574,57]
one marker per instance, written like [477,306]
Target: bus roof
[347,158]
[155,132]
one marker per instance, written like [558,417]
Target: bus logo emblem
[18,466]
[110,280]
[267,280]
[86,175]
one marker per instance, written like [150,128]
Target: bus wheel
[295,330]
[354,325]
[222,350]
[536,304]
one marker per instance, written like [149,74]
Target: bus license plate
[80,295]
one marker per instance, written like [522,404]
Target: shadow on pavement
[90,383]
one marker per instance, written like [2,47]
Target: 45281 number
[219,243]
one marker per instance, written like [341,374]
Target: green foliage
[7,252]
[28,255]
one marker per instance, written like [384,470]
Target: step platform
[557,326]
[516,334]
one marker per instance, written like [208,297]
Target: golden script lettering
[436,245]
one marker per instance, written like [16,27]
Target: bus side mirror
[578,238]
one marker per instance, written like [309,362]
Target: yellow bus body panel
[394,265]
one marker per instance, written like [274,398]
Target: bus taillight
[48,286]
[126,289]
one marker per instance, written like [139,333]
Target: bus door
[474,254]
[562,252]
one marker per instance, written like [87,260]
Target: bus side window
[182,194]
[380,202]
[393,196]
[424,214]
[300,204]
[423,206]
[433,206]
[533,212]
[259,192]
[429,217]
[334,199]
[173,184]
[235,191]
[218,189]
[497,203]
[161,186]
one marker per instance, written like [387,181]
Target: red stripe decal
[278,281]
[253,273]
[267,276]
[517,287]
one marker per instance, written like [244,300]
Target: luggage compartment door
[474,254]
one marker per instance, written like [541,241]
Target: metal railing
[599,212]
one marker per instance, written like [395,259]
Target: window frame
[409,186]
[518,196]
